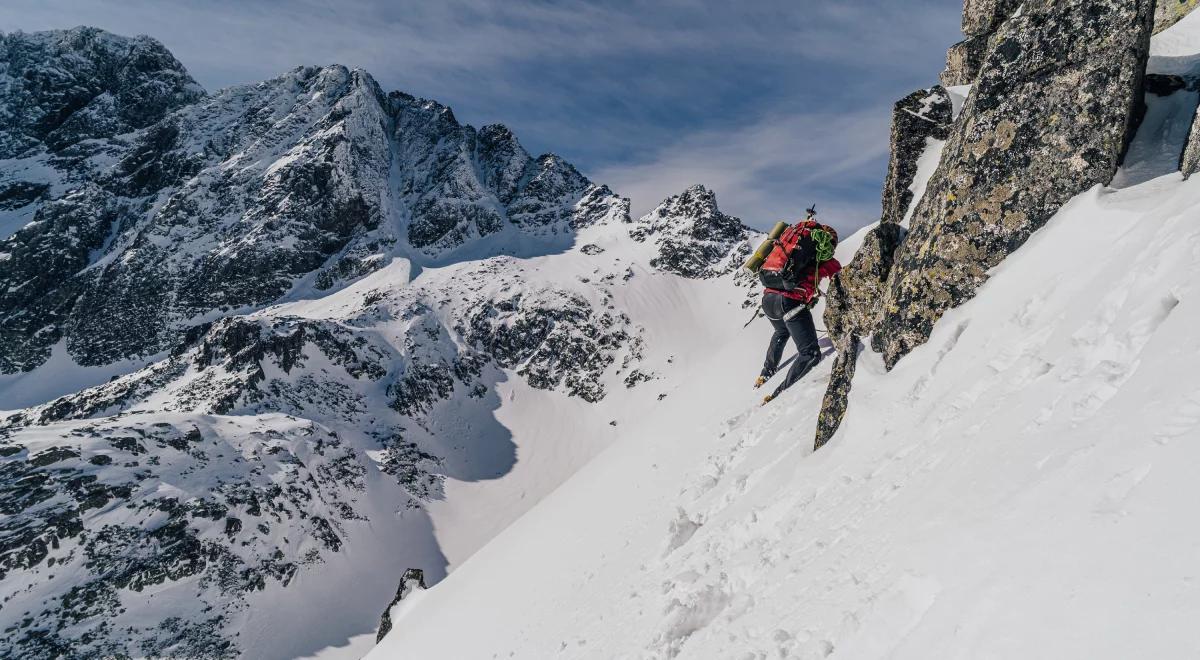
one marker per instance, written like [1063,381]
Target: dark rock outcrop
[980,20]
[1048,118]
[983,17]
[694,238]
[963,60]
[852,304]
[837,395]
[918,118]
[1058,92]
[1170,12]
[73,85]
[413,578]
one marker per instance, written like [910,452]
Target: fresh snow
[1016,487]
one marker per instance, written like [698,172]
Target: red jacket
[808,288]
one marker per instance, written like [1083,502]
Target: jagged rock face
[198,216]
[59,88]
[981,17]
[315,178]
[1170,12]
[1047,119]
[980,20]
[462,185]
[694,239]
[963,61]
[918,118]
[852,304]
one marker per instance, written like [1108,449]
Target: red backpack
[794,255]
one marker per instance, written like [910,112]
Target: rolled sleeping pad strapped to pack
[760,255]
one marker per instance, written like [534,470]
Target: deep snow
[1020,486]
[1017,487]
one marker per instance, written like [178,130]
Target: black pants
[802,331]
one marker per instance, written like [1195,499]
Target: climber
[800,257]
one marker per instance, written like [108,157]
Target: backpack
[797,252]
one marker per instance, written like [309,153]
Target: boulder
[1048,118]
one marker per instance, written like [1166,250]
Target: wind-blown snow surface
[1019,487]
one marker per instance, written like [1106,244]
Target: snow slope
[1017,487]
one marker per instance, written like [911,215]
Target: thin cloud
[649,96]
[771,169]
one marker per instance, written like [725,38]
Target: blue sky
[774,104]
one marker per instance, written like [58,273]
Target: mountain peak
[85,83]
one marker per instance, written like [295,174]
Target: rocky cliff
[1057,93]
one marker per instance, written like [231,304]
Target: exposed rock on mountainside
[1169,12]
[980,20]
[918,118]
[311,179]
[1061,74]
[996,182]
[693,237]
[852,306]
[413,579]
[60,88]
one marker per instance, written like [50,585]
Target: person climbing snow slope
[800,258]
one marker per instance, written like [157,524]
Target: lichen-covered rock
[1048,118]
[1170,12]
[918,118]
[963,60]
[852,304]
[981,18]
[984,16]
[694,238]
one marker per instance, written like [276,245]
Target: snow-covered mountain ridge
[266,344]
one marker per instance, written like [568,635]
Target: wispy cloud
[772,169]
[771,102]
